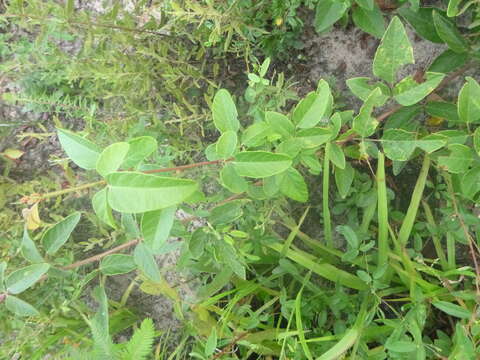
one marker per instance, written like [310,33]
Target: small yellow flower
[435,121]
[279,21]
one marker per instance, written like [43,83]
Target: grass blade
[327,221]
[435,239]
[382,211]
[409,220]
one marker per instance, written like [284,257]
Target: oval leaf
[23,278]
[116,264]
[226,144]
[58,234]
[111,158]
[224,112]
[132,192]
[102,209]
[408,92]
[156,227]
[140,148]
[452,309]
[81,151]
[260,164]
[20,307]
[145,261]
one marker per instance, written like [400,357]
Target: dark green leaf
[369,20]
[452,309]
[328,12]
[449,33]
[448,61]
[422,22]
[344,179]
[443,110]
[337,157]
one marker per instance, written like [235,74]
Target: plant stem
[327,224]
[435,239]
[188,166]
[382,211]
[409,220]
[72,189]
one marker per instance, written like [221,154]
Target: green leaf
[364,123]
[398,144]
[111,158]
[328,12]
[449,33]
[293,185]
[260,164]
[81,151]
[99,326]
[156,227]
[280,124]
[361,88]
[224,112]
[452,9]
[448,61]
[404,118]
[132,192]
[140,148]
[102,209]
[227,144]
[459,160]
[337,157]
[314,137]
[20,307]
[470,183]
[226,213]
[140,344]
[408,92]
[422,22]
[232,181]
[443,110]
[255,134]
[211,343]
[394,51]
[349,235]
[370,21]
[432,142]
[366,4]
[452,309]
[476,140]
[401,346]
[211,152]
[58,234]
[3,266]
[469,101]
[344,179]
[314,107]
[346,342]
[116,264]
[21,279]
[145,261]
[29,249]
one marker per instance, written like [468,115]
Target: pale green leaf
[459,160]
[408,92]
[156,227]
[361,88]
[58,234]
[344,179]
[227,144]
[20,307]
[314,107]
[314,137]
[29,249]
[453,309]
[140,148]
[116,264]
[398,144]
[292,184]
[132,192]
[145,261]
[394,51]
[211,343]
[255,134]
[337,157]
[280,124]
[111,158]
[260,164]
[422,22]
[102,208]
[328,12]
[231,180]
[81,151]
[364,123]
[469,101]
[23,278]
[476,140]
[224,112]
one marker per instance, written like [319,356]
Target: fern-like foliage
[140,344]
